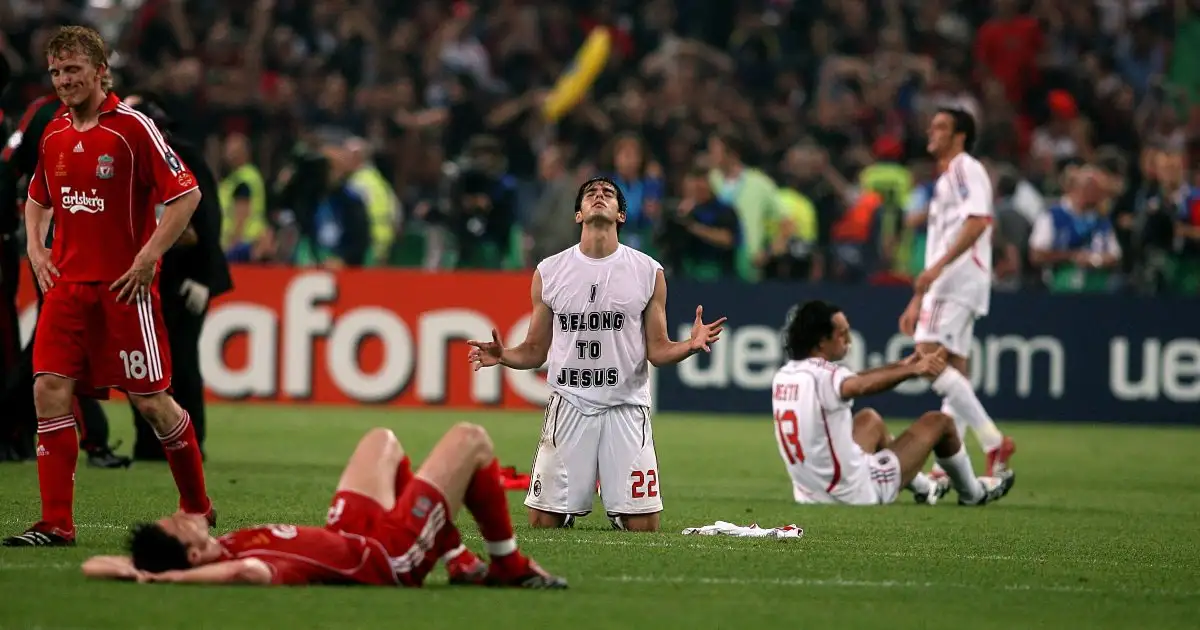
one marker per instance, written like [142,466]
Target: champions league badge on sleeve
[104,167]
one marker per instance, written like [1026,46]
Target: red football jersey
[312,555]
[103,185]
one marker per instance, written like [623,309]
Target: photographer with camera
[701,238]
[485,209]
[323,221]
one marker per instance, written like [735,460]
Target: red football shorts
[412,533]
[85,334]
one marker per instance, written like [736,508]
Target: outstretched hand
[928,364]
[486,353]
[704,334]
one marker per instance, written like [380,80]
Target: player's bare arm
[243,571]
[660,350]
[110,568]
[531,353]
[888,377]
[973,227]
[175,219]
[37,221]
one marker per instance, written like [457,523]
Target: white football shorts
[948,323]
[881,486]
[617,445]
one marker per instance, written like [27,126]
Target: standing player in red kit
[386,527]
[102,170]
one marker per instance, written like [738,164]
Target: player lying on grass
[385,528]
[833,457]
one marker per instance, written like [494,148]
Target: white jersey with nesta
[963,191]
[597,354]
[814,428]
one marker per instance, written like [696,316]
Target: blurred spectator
[552,227]
[641,182]
[1074,244]
[1007,46]
[1011,233]
[1175,201]
[748,190]
[702,235]
[383,208]
[245,233]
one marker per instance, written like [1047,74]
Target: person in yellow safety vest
[245,233]
[383,207]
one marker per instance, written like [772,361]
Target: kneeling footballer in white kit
[599,315]
[833,456]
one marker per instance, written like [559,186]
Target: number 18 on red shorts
[85,334]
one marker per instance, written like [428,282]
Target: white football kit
[814,428]
[962,293]
[597,420]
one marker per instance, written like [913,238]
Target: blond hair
[81,40]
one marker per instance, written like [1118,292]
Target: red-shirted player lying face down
[385,527]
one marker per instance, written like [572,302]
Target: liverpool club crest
[104,167]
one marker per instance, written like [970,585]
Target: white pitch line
[640,541]
[787,582]
[883,584]
[820,544]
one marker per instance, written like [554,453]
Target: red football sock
[78,413]
[449,543]
[487,502]
[404,474]
[57,454]
[187,467]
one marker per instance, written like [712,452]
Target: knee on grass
[635,522]
[539,519]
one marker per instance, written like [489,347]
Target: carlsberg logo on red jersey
[78,201]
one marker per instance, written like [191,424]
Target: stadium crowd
[768,139]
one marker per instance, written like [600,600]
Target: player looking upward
[599,315]
[386,527]
[834,457]
[955,288]
[102,169]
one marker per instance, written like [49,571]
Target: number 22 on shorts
[645,484]
[787,431]
[135,364]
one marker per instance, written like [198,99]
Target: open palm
[705,334]
[486,353]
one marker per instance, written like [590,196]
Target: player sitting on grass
[385,528]
[833,457]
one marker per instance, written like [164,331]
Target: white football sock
[958,467]
[957,392]
[959,424]
[921,484]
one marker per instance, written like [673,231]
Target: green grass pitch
[1101,531]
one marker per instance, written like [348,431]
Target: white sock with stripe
[965,408]
[958,467]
